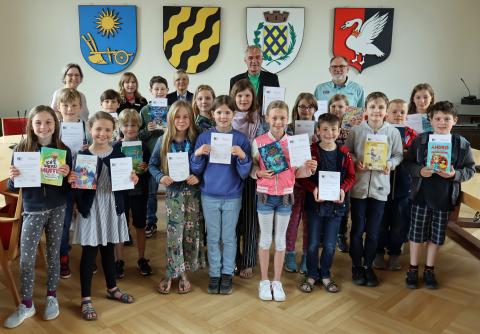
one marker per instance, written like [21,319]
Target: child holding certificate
[434,193]
[249,121]
[74,134]
[181,198]
[154,119]
[369,194]
[303,111]
[43,210]
[101,223]
[221,188]
[202,108]
[326,207]
[136,200]
[275,195]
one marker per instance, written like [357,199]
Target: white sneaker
[51,308]
[20,314]
[278,293]
[264,290]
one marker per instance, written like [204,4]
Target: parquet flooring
[389,308]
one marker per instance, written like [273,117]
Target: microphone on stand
[470,99]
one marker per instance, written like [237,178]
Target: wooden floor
[389,308]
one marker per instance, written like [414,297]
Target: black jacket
[266,79]
[172,97]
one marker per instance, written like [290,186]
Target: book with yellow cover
[375,154]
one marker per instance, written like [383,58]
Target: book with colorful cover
[50,160]
[353,116]
[375,154]
[159,112]
[439,154]
[134,150]
[86,170]
[273,157]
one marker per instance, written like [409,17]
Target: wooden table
[6,153]
[470,196]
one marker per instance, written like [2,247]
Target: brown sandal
[331,286]
[246,273]
[88,312]
[164,286]
[184,286]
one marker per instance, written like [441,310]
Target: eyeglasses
[338,67]
[304,107]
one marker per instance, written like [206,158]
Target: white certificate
[329,185]
[178,166]
[415,122]
[322,108]
[440,138]
[121,172]
[377,138]
[28,163]
[299,149]
[272,94]
[160,102]
[72,135]
[221,148]
[307,127]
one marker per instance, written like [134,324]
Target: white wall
[433,41]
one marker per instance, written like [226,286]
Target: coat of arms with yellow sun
[108,22]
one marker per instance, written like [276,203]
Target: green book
[50,160]
[134,150]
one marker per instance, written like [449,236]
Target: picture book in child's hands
[134,150]
[159,111]
[353,116]
[50,160]
[439,153]
[86,170]
[375,152]
[273,157]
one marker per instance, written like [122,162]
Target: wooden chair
[10,224]
[13,126]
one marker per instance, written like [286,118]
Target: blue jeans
[318,228]
[67,222]
[274,204]
[152,201]
[394,227]
[221,216]
[367,217]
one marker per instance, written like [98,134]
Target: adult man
[258,78]
[340,84]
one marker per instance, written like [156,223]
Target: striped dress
[103,225]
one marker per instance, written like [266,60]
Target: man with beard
[340,84]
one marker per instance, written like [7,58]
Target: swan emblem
[361,39]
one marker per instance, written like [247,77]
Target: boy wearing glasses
[340,84]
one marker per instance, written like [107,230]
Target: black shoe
[119,269]
[342,244]
[370,277]
[129,242]
[226,284]
[150,230]
[430,280]
[411,280]
[143,267]
[214,285]
[358,276]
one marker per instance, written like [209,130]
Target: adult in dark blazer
[253,59]
[180,81]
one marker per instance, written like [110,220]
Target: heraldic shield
[191,37]
[108,36]
[278,32]
[363,35]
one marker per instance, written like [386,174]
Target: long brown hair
[125,77]
[200,88]
[412,109]
[240,86]
[30,143]
[171,131]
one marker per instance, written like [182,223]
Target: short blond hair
[129,116]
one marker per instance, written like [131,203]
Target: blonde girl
[131,97]
[182,198]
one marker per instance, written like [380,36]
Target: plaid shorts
[428,224]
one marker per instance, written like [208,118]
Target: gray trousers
[33,225]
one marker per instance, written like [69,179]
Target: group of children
[236,209]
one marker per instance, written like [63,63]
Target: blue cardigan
[85,197]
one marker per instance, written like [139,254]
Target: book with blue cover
[273,157]
[439,153]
